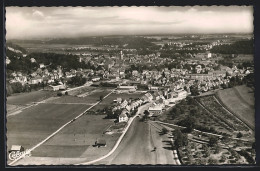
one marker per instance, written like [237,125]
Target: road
[137,146]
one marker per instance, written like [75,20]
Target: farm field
[94,96]
[79,135]
[27,98]
[240,101]
[81,90]
[36,123]
[68,99]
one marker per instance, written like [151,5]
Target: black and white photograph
[128,85]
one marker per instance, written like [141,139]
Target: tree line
[239,47]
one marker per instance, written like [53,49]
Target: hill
[240,101]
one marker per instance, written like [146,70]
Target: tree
[223,158]
[198,154]
[180,138]
[217,149]
[164,130]
[146,114]
[194,111]
[77,80]
[239,135]
[194,91]
[206,150]
[189,123]
[9,89]
[212,161]
[190,100]
[17,87]
[213,141]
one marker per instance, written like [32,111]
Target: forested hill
[15,47]
[52,60]
[239,47]
[127,41]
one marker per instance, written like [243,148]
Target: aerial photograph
[130,86]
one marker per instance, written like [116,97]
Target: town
[154,91]
[158,82]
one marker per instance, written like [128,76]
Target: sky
[58,22]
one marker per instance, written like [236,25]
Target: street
[137,147]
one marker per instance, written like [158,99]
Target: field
[70,100]
[240,101]
[76,138]
[36,123]
[27,98]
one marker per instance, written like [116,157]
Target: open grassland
[36,123]
[79,136]
[68,100]
[240,101]
[27,98]
[81,90]
[93,97]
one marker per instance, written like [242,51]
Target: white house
[123,117]
[56,88]
[155,109]
[42,65]
[153,88]
[96,79]
[32,60]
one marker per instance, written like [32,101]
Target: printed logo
[16,154]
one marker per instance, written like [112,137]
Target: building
[96,79]
[155,109]
[100,143]
[17,148]
[153,88]
[123,104]
[42,65]
[148,97]
[56,88]
[122,117]
[182,94]
[7,61]
[36,80]
[209,55]
[127,88]
[121,55]
[119,100]
[32,60]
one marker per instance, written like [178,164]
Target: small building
[100,143]
[16,148]
[42,65]
[128,88]
[119,100]
[122,117]
[96,79]
[155,109]
[153,88]
[56,87]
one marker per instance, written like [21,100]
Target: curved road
[138,144]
